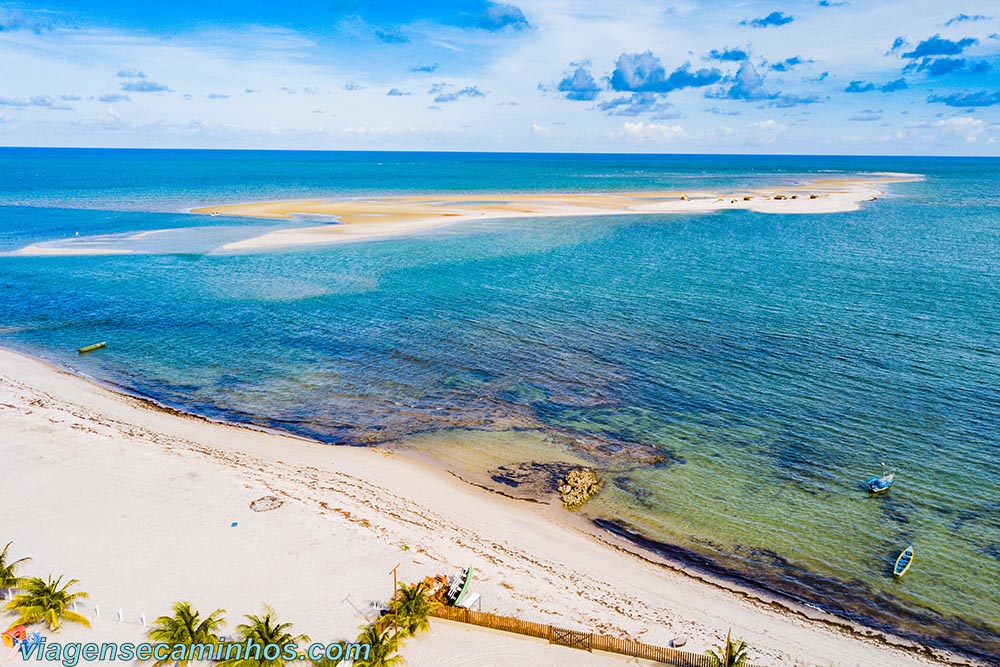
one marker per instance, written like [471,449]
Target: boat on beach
[903,562]
[880,484]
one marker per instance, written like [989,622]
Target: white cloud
[208,65]
[965,128]
[767,131]
[644,131]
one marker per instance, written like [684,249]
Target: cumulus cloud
[965,128]
[467,92]
[767,131]
[943,66]
[43,101]
[499,16]
[865,117]
[396,92]
[859,86]
[939,46]
[131,73]
[144,86]
[789,63]
[897,44]
[351,85]
[980,98]
[644,73]
[579,85]
[965,17]
[391,36]
[647,131]
[111,98]
[772,19]
[749,85]
[731,55]
[719,111]
[422,68]
[638,104]
[217,96]
[788,101]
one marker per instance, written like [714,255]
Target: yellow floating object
[91,348]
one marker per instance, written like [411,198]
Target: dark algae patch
[769,573]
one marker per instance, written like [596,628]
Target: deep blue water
[770,362]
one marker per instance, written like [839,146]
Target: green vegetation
[47,601]
[264,630]
[384,645]
[8,570]
[50,601]
[186,627]
[731,654]
[412,608]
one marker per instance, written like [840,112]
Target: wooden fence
[575,639]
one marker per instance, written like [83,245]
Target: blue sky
[823,76]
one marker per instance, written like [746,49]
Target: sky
[908,77]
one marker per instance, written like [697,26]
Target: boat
[903,562]
[459,587]
[880,484]
[91,348]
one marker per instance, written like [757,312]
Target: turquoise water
[737,376]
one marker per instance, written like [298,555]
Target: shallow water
[737,375]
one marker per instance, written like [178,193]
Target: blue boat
[880,484]
[903,562]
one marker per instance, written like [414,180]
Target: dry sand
[393,216]
[363,219]
[137,503]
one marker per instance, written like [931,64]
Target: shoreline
[358,220]
[543,516]
[363,219]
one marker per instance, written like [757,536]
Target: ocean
[735,376]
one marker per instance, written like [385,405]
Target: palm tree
[330,662]
[264,630]
[412,607]
[732,654]
[8,571]
[187,628]
[383,645]
[48,602]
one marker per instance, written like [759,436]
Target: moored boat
[880,484]
[903,562]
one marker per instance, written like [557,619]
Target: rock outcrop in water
[580,485]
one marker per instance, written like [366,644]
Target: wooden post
[395,617]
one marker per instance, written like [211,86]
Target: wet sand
[146,498]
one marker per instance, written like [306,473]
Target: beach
[366,219]
[359,219]
[139,504]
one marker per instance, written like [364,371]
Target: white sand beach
[359,220]
[372,218]
[137,503]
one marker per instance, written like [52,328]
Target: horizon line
[497,152]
